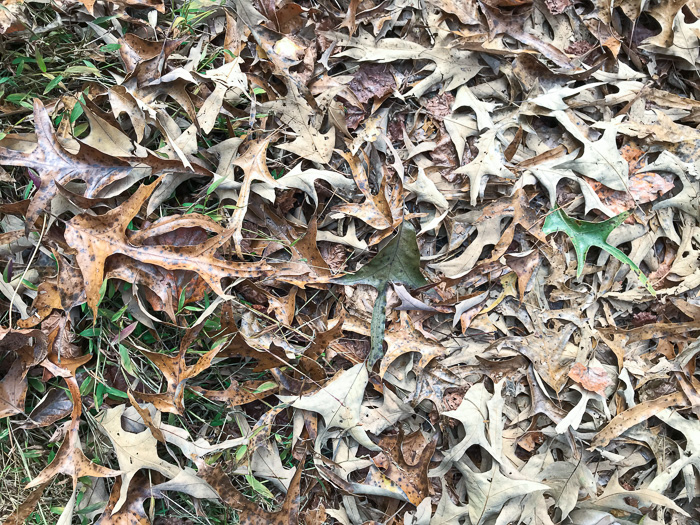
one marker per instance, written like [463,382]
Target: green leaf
[103,19]
[585,234]
[103,290]
[30,285]
[126,360]
[215,185]
[181,300]
[259,487]
[76,111]
[398,262]
[81,70]
[7,272]
[265,386]
[110,47]
[119,313]
[40,61]
[54,82]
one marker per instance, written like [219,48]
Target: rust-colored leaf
[594,379]
[176,373]
[96,237]
[249,512]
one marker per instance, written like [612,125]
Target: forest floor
[421,262]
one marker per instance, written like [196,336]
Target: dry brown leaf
[254,166]
[249,512]
[13,386]
[375,210]
[176,373]
[635,415]
[96,237]
[55,165]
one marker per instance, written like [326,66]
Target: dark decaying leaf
[56,166]
[23,349]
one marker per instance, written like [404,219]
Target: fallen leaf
[57,166]
[96,237]
[251,513]
[594,379]
[584,234]
[634,416]
[339,403]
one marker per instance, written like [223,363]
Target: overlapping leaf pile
[357,261]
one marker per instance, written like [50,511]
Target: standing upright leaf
[398,262]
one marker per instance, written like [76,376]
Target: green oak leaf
[398,262]
[585,234]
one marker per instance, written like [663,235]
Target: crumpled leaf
[13,386]
[376,209]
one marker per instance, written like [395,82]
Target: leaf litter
[277,261]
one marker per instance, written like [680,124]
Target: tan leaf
[635,415]
[254,165]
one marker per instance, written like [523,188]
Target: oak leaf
[96,237]
[138,450]
[398,262]
[339,402]
[249,512]
[29,348]
[55,165]
[295,112]
[254,165]
[177,372]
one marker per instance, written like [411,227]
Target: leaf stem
[377,327]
